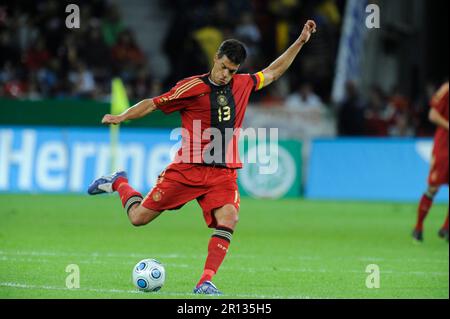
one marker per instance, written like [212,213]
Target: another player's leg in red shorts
[438,176]
[425,204]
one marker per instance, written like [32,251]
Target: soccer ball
[149,275]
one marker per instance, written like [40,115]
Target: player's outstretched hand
[308,29]
[111,119]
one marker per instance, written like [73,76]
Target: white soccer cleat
[207,288]
[104,184]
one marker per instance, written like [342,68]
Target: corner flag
[119,103]
[119,99]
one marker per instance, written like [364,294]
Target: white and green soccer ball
[149,275]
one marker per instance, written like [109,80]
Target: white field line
[155,295]
[78,261]
[439,260]
[93,254]
[250,270]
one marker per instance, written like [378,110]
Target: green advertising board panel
[271,170]
[72,113]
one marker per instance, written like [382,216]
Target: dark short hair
[234,50]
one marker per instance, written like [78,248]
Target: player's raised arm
[138,110]
[277,68]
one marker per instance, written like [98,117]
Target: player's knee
[140,215]
[228,216]
[136,220]
[233,218]
[135,217]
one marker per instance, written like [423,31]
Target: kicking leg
[139,215]
[131,199]
[227,218]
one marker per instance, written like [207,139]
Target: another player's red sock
[445,226]
[217,249]
[127,194]
[424,208]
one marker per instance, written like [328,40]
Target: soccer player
[205,166]
[439,162]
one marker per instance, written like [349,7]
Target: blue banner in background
[370,169]
[67,160]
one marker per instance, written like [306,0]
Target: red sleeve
[175,99]
[253,82]
[440,99]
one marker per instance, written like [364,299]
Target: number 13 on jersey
[224,113]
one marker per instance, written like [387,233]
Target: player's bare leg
[139,215]
[131,199]
[424,207]
[227,218]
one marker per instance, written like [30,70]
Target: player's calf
[140,216]
[426,201]
[131,199]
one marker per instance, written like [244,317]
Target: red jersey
[440,103]
[211,117]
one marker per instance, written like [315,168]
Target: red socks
[424,208]
[217,250]
[127,194]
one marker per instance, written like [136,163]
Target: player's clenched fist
[111,119]
[308,29]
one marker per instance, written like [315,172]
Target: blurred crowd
[380,113]
[267,27]
[41,58]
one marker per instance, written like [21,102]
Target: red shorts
[179,183]
[439,169]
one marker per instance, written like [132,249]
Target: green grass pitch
[281,249]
